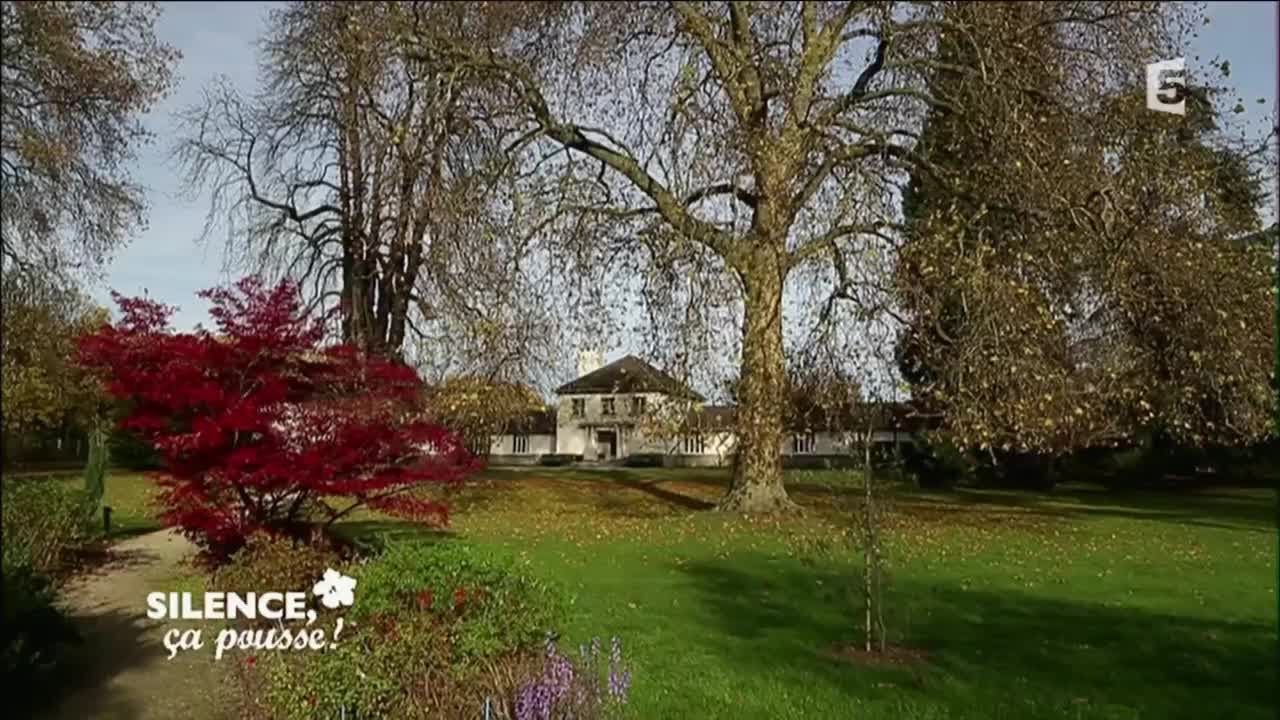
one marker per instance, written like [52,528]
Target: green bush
[43,519]
[436,628]
[33,628]
[559,460]
[400,667]
[936,463]
[326,684]
[131,452]
[645,460]
[493,604]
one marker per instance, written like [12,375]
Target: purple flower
[615,651]
[563,684]
[619,679]
[533,703]
[558,676]
[619,683]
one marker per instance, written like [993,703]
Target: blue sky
[166,262]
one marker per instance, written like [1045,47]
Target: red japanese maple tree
[262,428]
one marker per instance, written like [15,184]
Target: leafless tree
[379,182]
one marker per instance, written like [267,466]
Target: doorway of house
[606,444]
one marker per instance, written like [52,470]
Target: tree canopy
[748,143]
[44,389]
[378,184]
[1136,312]
[75,78]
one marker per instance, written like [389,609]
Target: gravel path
[122,671]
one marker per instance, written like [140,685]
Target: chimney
[588,361]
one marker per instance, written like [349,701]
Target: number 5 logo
[1163,80]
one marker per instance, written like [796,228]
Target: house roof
[628,375]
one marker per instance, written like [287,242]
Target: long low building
[628,409]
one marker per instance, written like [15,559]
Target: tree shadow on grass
[604,492]
[1252,510]
[1226,508]
[673,498]
[697,488]
[992,653]
[821,491]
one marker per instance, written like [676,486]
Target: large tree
[765,137]
[1041,333]
[43,389]
[370,180]
[75,78]
[478,408]
[263,427]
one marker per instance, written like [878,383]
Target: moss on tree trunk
[95,471]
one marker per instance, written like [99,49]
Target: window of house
[638,405]
[579,407]
[694,444]
[606,406]
[519,444]
[802,443]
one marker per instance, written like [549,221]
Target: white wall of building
[576,434]
[571,440]
[827,443]
[539,444]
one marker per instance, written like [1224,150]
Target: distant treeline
[68,448]
[1151,464]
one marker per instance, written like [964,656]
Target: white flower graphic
[335,589]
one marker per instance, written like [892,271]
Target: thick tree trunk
[757,473]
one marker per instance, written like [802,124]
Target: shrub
[494,605]
[822,462]
[553,460]
[132,452]
[272,562]
[1018,470]
[436,628]
[359,678]
[393,667]
[935,462]
[645,460]
[33,628]
[43,519]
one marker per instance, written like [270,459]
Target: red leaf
[254,418]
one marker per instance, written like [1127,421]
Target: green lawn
[129,495]
[1078,604]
